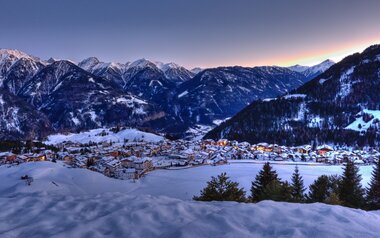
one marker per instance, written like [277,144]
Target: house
[143,164]
[36,157]
[222,142]
[323,149]
[128,162]
[261,146]
[68,159]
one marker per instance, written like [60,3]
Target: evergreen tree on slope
[373,192]
[221,188]
[350,191]
[297,187]
[265,177]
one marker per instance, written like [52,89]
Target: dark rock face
[222,92]
[19,120]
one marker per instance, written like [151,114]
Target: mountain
[176,73]
[221,92]
[16,68]
[150,80]
[339,106]
[163,96]
[111,71]
[196,70]
[73,99]
[311,72]
[19,120]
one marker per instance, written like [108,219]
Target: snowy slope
[181,184]
[360,124]
[312,71]
[95,136]
[67,202]
[121,215]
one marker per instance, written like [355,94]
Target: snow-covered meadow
[72,202]
[121,215]
[56,178]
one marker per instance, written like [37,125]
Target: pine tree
[319,189]
[221,188]
[277,191]
[373,192]
[350,191]
[297,187]
[265,177]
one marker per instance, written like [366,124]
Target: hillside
[320,111]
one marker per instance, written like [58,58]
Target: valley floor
[72,202]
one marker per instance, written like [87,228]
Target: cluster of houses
[132,160]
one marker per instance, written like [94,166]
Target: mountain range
[340,106]
[46,96]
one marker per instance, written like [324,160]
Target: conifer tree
[297,187]
[319,189]
[265,177]
[221,188]
[373,192]
[350,191]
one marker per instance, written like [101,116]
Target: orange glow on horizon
[310,58]
[333,53]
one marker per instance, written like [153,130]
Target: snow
[141,63]
[94,136]
[183,94]
[315,122]
[290,96]
[321,81]
[66,202]
[364,125]
[121,215]
[220,121]
[130,100]
[345,83]
[180,184]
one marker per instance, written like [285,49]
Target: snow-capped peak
[196,70]
[141,63]
[16,54]
[312,71]
[298,68]
[89,63]
[171,65]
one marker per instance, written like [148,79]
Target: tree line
[345,190]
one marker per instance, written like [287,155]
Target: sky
[196,33]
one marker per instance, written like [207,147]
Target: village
[134,159]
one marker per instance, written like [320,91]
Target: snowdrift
[121,215]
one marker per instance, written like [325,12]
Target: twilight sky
[203,33]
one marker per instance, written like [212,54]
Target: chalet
[35,158]
[127,162]
[222,142]
[68,159]
[143,164]
[261,146]
[8,157]
[323,149]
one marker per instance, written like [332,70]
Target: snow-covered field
[121,215]
[67,202]
[95,135]
[182,184]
